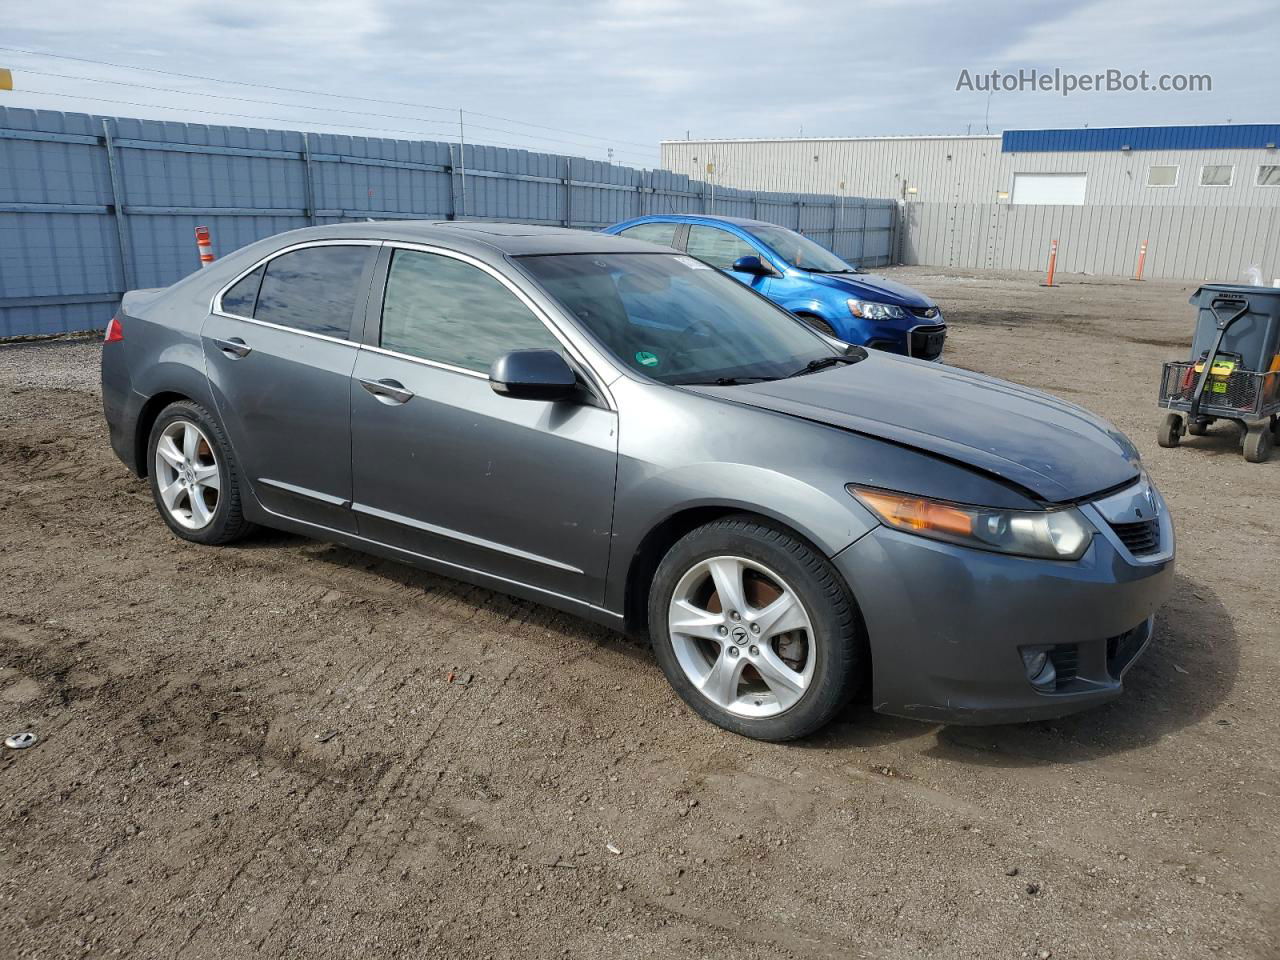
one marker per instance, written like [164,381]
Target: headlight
[870,310]
[1051,534]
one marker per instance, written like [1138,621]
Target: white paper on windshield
[693,264]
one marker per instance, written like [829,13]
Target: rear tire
[1199,428]
[782,655]
[1170,432]
[194,478]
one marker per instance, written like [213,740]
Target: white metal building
[1204,198]
[1236,165]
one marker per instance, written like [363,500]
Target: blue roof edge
[1258,136]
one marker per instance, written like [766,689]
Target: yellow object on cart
[1218,374]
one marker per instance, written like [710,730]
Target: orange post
[1142,260]
[204,246]
[1053,264]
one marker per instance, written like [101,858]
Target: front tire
[194,477]
[820,325]
[755,630]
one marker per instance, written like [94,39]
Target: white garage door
[1060,188]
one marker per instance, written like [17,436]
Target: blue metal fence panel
[1097,139]
[90,204]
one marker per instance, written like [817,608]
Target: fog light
[1040,670]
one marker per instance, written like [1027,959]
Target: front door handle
[235,348]
[390,392]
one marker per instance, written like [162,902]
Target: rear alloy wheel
[193,476]
[187,476]
[754,629]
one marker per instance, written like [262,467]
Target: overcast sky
[627,73]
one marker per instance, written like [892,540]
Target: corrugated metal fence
[93,206]
[1185,243]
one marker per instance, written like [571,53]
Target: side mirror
[532,375]
[752,265]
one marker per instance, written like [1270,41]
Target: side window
[663,233]
[313,289]
[241,298]
[442,309]
[717,247]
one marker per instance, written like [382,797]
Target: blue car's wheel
[820,325]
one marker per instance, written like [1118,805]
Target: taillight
[115,330]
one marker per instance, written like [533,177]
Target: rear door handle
[390,392]
[235,348]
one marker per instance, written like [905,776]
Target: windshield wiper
[823,362]
[725,381]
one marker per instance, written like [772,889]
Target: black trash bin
[1234,370]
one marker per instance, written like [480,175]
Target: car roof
[479,237]
[745,222]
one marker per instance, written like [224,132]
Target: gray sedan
[617,430]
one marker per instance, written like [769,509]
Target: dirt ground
[181,804]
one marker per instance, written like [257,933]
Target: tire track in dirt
[413,780]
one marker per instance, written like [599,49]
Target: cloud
[626,73]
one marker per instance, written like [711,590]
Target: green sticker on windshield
[646,359]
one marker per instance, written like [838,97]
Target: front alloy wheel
[755,629]
[742,636]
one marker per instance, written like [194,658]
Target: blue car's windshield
[800,251]
[677,320]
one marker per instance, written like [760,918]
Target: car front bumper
[946,623]
[924,339]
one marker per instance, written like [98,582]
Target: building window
[1269,175]
[1162,176]
[1217,175]
[1059,189]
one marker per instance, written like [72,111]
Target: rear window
[241,298]
[313,290]
[663,233]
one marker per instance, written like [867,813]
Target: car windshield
[800,251]
[677,320]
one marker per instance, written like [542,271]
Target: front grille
[1139,538]
[927,342]
[927,313]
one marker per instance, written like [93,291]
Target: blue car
[805,278]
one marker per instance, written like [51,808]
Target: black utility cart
[1234,370]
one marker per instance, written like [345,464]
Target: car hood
[1054,449]
[869,286]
